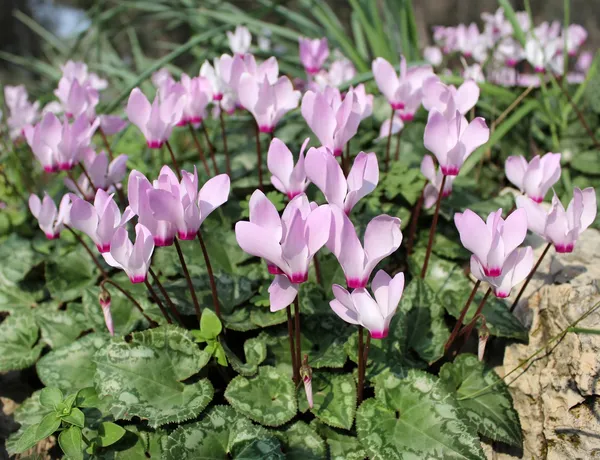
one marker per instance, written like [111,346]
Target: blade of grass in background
[308,27]
[371,24]
[510,14]
[46,35]
[359,36]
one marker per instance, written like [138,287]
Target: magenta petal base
[155,144]
[450,170]
[564,248]
[103,248]
[186,236]
[355,283]
[379,334]
[136,279]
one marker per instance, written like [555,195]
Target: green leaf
[587,162]
[210,325]
[334,397]
[19,348]
[71,367]
[510,14]
[425,330]
[50,397]
[24,440]
[71,443]
[415,417]
[139,444]
[255,350]
[87,397]
[221,433]
[68,275]
[301,442]
[14,300]
[268,398]
[75,417]
[341,446]
[109,433]
[403,179]
[144,376]
[60,327]
[49,424]
[491,412]
[17,257]
[31,411]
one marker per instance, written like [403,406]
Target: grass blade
[46,35]
[510,14]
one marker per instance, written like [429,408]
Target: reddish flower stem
[531,273]
[296,376]
[164,293]
[211,148]
[88,250]
[158,302]
[225,150]
[433,227]
[173,160]
[130,297]
[106,143]
[361,366]
[259,158]
[461,318]
[466,331]
[82,166]
[211,276]
[389,140]
[188,279]
[200,150]
[70,176]
[297,331]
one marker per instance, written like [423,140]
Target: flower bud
[105,300]
[306,374]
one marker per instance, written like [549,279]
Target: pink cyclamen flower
[100,221]
[433,55]
[404,89]
[313,53]
[515,269]
[452,140]
[267,102]
[139,203]
[183,205]
[340,71]
[75,70]
[539,54]
[447,99]
[77,98]
[156,120]
[434,177]
[21,112]
[576,35]
[333,120]
[375,314]
[559,226]
[397,126]
[75,139]
[103,175]
[287,244]
[494,240]
[536,177]
[213,73]
[323,170]
[382,238]
[286,177]
[239,40]
[50,219]
[363,101]
[105,302]
[198,94]
[43,139]
[112,124]
[133,258]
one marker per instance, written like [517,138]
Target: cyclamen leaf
[301,442]
[491,412]
[71,443]
[415,417]
[334,398]
[68,275]
[255,350]
[18,348]
[144,377]
[341,446]
[138,444]
[268,398]
[71,367]
[60,328]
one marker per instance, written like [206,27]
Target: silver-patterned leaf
[19,348]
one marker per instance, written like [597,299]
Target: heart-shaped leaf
[19,348]
[301,442]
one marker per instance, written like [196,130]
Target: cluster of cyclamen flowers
[495,54]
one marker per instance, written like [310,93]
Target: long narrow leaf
[510,14]
[359,36]
[307,26]
[46,35]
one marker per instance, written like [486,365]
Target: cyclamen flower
[382,238]
[74,141]
[112,124]
[198,94]
[536,177]
[77,98]
[43,140]
[286,177]
[103,175]
[313,54]
[358,307]
[181,204]
[133,258]
[494,240]
[447,99]
[434,177]
[100,221]
[452,140]
[470,42]
[232,68]
[287,244]
[397,126]
[74,70]
[323,170]
[105,301]
[267,102]
[576,35]
[239,40]
[516,268]
[156,121]
[403,90]
[433,55]
[559,226]
[333,120]
[539,54]
[363,101]
[139,203]
[340,71]
[213,73]
[21,112]
[50,220]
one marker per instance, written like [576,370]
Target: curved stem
[211,276]
[200,150]
[130,297]
[414,219]
[461,318]
[297,331]
[295,377]
[259,158]
[70,176]
[531,273]
[469,328]
[166,296]
[361,366]
[173,160]
[225,150]
[88,250]
[389,140]
[158,302]
[85,173]
[211,148]
[433,227]
[106,143]
[188,279]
